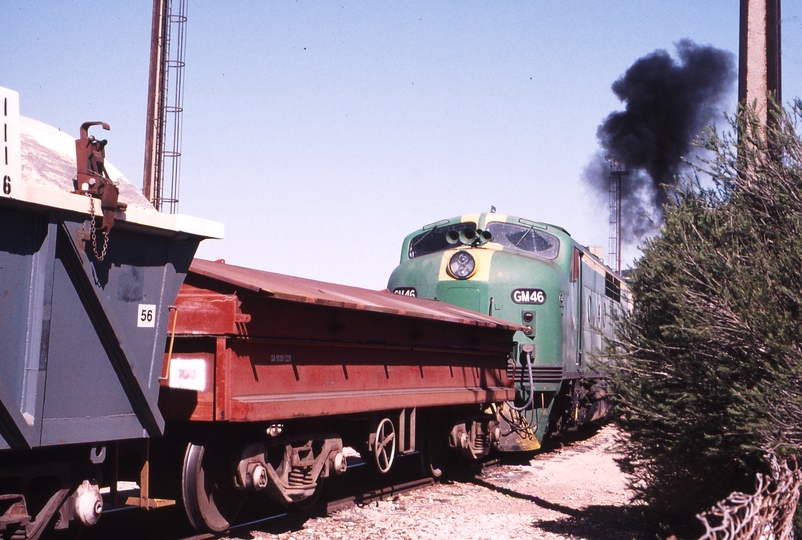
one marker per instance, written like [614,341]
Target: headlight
[461,265]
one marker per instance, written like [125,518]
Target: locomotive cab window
[435,239]
[529,239]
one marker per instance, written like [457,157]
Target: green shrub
[708,363]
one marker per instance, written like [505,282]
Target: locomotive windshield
[435,239]
[512,235]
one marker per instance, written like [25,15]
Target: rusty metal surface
[257,346]
[92,178]
[297,289]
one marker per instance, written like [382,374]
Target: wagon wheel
[210,499]
[434,452]
[384,445]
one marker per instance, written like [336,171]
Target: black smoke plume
[668,104]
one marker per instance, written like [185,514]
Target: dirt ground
[573,492]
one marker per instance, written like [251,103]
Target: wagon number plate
[146,316]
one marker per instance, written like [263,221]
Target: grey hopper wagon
[84,321]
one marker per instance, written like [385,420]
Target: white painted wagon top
[47,166]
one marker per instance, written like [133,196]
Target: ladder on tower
[617,171]
[162,173]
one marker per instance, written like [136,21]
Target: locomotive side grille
[612,287]
[544,374]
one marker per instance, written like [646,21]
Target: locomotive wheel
[384,445]
[210,499]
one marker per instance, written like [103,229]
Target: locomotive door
[576,278]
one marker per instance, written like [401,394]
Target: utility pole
[760,66]
[151,182]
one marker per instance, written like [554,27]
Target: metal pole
[153,131]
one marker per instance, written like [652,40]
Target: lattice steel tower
[162,175]
[617,171]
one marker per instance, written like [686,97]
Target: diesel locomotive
[538,276]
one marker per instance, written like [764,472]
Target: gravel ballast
[576,491]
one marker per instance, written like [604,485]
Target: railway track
[282,521]
[169,524]
[327,508]
[337,503]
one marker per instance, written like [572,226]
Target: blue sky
[321,133]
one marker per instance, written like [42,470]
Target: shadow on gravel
[599,523]
[568,440]
[592,523]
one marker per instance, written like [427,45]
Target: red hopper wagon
[271,376]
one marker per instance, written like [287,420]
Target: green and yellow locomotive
[536,275]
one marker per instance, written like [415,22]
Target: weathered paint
[293,348]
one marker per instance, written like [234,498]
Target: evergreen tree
[709,361]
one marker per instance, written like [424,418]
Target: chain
[102,254]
